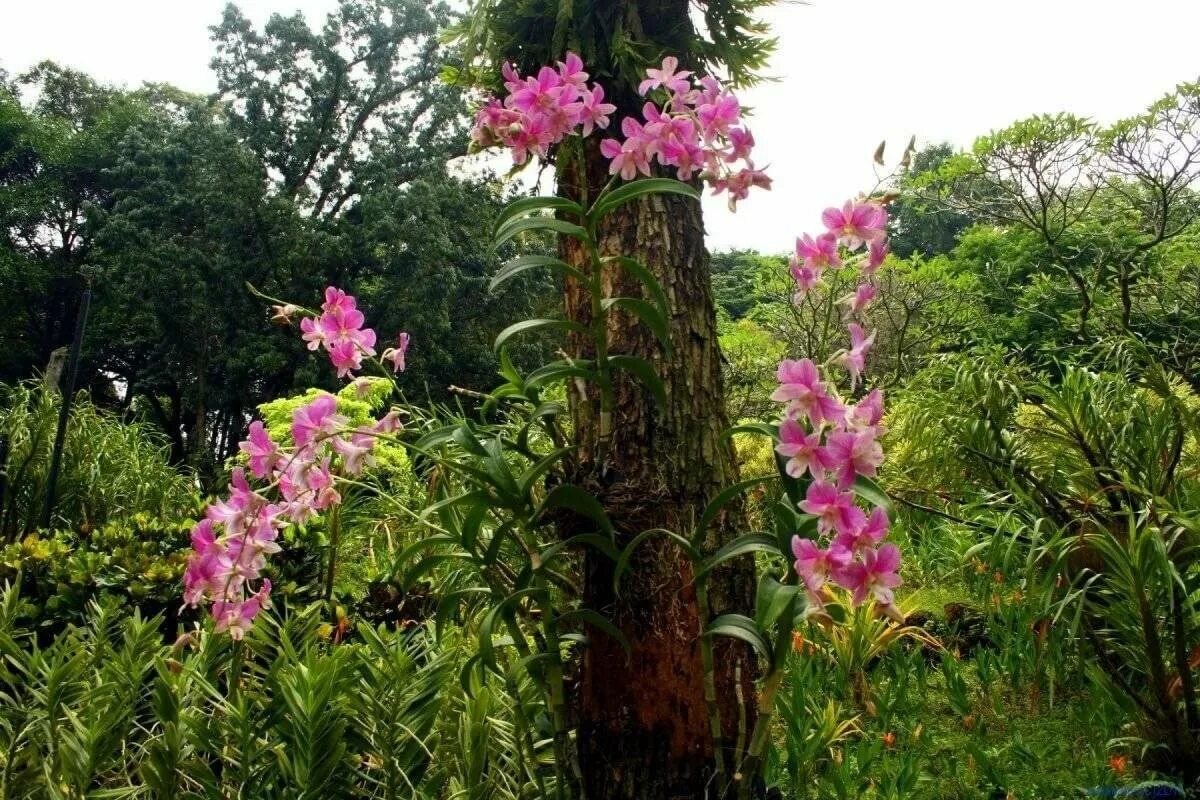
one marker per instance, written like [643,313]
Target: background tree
[357,103]
[917,224]
[177,201]
[53,161]
[1098,202]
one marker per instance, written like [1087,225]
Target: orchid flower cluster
[539,112]
[697,130]
[339,329]
[231,544]
[834,442]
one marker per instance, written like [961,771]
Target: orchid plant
[231,544]
[828,447]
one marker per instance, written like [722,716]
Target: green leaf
[640,188]
[435,438]
[869,490]
[806,528]
[449,604]
[551,224]
[528,205]
[639,271]
[508,371]
[761,428]
[534,324]
[540,468]
[795,488]
[627,554]
[581,502]
[648,313]
[558,371]
[426,564]
[597,541]
[590,617]
[520,264]
[772,600]
[644,371]
[748,543]
[465,498]
[486,647]
[741,627]
[723,499]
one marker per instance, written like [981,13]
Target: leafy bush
[137,561]
[110,468]
[1084,490]
[107,709]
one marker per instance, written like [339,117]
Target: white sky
[851,72]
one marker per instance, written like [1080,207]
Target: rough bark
[643,727]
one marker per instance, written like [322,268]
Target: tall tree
[920,224]
[54,155]
[358,101]
[642,720]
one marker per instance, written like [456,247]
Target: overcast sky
[850,72]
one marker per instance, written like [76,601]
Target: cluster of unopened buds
[298,480]
[834,442]
[697,129]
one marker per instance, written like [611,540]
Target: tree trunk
[643,726]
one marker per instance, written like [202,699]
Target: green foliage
[110,469]
[616,40]
[107,709]
[1086,489]
[321,161]
[137,560]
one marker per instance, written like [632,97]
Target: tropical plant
[106,708]
[110,469]
[1086,490]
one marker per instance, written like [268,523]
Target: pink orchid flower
[396,354]
[571,71]
[803,451]
[667,77]
[718,117]
[260,449]
[312,418]
[876,254]
[862,297]
[854,360]
[594,111]
[876,574]
[818,253]
[806,395]
[741,142]
[816,566]
[853,453]
[867,413]
[856,223]
[834,509]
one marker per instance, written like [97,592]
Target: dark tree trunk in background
[643,727]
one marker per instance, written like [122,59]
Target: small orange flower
[998,577]
[889,740]
[1118,764]
[968,721]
